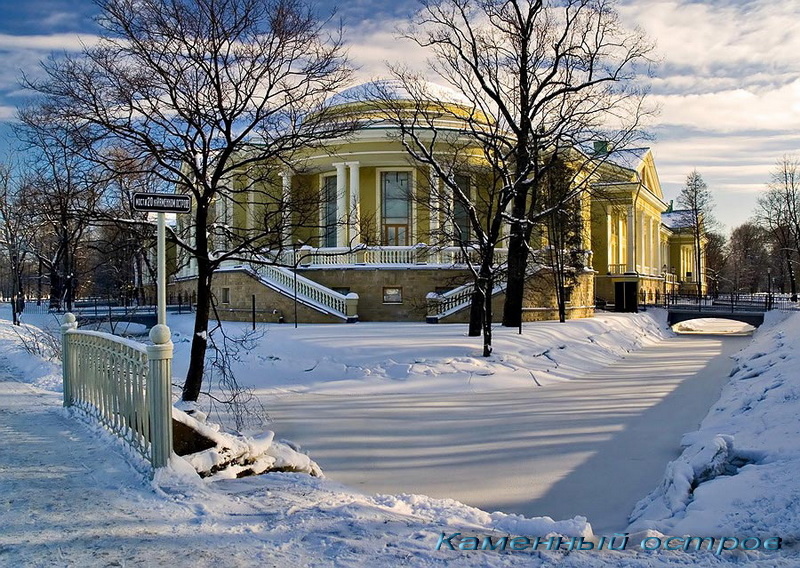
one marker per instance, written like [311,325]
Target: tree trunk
[197,358]
[515,286]
[562,304]
[488,285]
[55,289]
[476,313]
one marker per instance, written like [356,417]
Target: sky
[727,80]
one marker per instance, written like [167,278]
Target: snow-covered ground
[71,497]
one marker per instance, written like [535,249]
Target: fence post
[433,303]
[68,324]
[159,394]
[351,307]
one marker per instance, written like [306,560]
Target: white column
[656,245]
[659,248]
[286,213]
[341,205]
[447,207]
[609,239]
[433,206]
[640,240]
[631,261]
[620,226]
[354,213]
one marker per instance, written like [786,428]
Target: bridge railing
[722,302]
[124,385]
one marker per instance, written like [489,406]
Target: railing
[447,303]
[291,283]
[417,255]
[123,385]
[622,268]
[617,268]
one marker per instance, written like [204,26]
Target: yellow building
[641,251]
[375,236]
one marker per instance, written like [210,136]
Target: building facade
[643,251]
[374,236]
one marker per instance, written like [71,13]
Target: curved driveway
[591,446]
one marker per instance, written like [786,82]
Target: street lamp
[769,288]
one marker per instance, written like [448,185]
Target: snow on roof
[628,158]
[396,90]
[679,219]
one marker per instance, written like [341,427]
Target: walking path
[591,446]
[68,498]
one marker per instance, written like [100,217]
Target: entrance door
[626,297]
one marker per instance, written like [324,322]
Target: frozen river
[591,446]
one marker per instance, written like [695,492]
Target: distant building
[642,249]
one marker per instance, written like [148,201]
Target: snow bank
[235,456]
[35,354]
[419,358]
[738,473]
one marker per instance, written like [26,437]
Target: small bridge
[146,316]
[677,314]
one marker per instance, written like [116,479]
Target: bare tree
[778,211]
[13,236]
[60,195]
[220,95]
[563,232]
[716,260]
[549,77]
[748,255]
[696,202]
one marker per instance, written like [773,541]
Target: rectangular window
[396,207]
[226,295]
[461,224]
[393,295]
[329,211]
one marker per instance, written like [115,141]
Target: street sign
[162,202]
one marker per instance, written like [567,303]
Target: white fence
[124,385]
[448,303]
[417,255]
[307,289]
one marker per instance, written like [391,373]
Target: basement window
[392,295]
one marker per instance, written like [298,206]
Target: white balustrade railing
[292,283]
[617,268]
[123,385]
[455,298]
[418,255]
[446,303]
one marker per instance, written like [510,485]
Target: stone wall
[539,303]
[370,283]
[271,306]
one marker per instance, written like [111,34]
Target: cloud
[7,112]
[52,42]
[709,37]
[372,44]
[734,110]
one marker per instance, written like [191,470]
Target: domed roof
[396,90]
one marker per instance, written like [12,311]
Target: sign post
[162,203]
